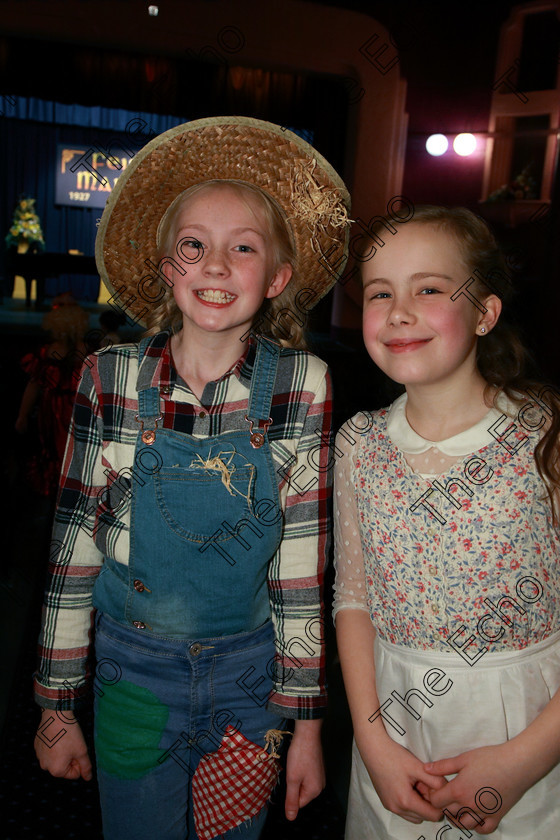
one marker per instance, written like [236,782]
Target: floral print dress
[452,549]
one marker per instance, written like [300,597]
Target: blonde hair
[267,321]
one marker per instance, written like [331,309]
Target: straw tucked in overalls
[183,727]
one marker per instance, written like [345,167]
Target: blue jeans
[164,705]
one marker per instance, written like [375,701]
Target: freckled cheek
[372,324]
[373,316]
[454,326]
[369,326]
[179,289]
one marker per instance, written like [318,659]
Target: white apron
[488,703]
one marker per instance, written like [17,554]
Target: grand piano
[39,266]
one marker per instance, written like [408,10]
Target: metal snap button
[165,389]
[195,649]
[257,440]
[432,570]
[148,437]
[202,414]
[139,625]
[435,609]
[139,586]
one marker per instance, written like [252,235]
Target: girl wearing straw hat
[192,525]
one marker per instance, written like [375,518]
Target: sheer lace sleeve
[350,591]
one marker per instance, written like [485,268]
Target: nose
[215,262]
[401,312]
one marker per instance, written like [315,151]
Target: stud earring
[482,330]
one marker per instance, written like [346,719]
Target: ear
[279,281]
[489,320]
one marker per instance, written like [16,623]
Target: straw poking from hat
[318,206]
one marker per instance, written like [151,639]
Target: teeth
[215,296]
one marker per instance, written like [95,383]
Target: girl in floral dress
[447,544]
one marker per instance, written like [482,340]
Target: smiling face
[228,260]
[412,329]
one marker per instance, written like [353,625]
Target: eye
[430,290]
[379,296]
[244,249]
[193,243]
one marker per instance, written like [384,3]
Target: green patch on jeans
[129,723]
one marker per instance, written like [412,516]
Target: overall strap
[262,388]
[148,400]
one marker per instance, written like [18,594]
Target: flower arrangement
[26,226]
[522,186]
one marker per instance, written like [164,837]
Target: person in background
[49,395]
[110,322]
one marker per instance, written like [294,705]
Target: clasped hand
[487,783]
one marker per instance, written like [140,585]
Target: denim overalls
[179,727]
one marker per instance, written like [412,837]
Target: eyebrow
[420,275]
[235,231]
[249,230]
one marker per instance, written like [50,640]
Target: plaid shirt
[93,517]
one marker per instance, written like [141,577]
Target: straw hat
[311,195]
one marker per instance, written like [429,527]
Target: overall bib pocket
[192,499]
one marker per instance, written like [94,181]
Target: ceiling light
[437,144]
[464,144]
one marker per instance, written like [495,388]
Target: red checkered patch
[232,784]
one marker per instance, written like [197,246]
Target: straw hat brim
[312,196]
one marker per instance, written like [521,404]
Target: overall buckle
[258,437]
[148,436]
